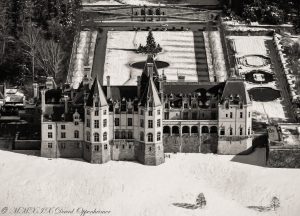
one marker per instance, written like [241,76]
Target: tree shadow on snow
[260,208]
[186,205]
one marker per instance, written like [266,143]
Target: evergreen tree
[275,203]
[151,47]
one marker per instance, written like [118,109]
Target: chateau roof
[2,91]
[234,87]
[96,90]
[119,92]
[150,94]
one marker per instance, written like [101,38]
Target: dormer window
[96,104]
[185,105]
[150,104]
[241,105]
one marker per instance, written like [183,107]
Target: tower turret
[97,149]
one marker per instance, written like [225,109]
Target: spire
[96,91]
[150,95]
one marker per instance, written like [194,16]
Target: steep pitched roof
[150,94]
[234,87]
[2,92]
[96,90]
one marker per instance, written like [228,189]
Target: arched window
[166,130]
[76,134]
[104,136]
[142,136]
[214,129]
[226,105]
[150,137]
[123,135]
[222,131]
[96,137]
[186,129]
[158,136]
[205,129]
[194,129]
[88,136]
[175,130]
[230,131]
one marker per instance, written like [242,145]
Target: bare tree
[31,38]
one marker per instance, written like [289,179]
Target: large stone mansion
[142,122]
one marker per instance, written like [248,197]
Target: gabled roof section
[96,91]
[150,94]
[235,88]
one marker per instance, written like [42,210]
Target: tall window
[104,136]
[241,114]
[230,131]
[249,114]
[248,131]
[230,114]
[96,137]
[166,115]
[63,127]
[104,122]
[158,122]
[117,122]
[104,112]
[96,104]
[105,146]
[142,123]
[50,135]
[150,123]
[76,134]
[49,127]
[150,113]
[63,135]
[241,131]
[142,112]
[142,136]
[96,148]
[88,112]
[150,104]
[88,123]
[88,136]
[150,137]
[96,112]
[158,112]
[158,136]
[129,122]
[96,123]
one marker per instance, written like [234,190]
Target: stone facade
[214,119]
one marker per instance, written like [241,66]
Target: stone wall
[233,147]
[191,144]
[284,158]
[209,144]
[49,152]
[123,150]
[171,144]
[69,149]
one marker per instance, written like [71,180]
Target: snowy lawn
[178,51]
[127,188]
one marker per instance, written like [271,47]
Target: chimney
[66,98]
[139,86]
[43,101]
[108,93]
[150,69]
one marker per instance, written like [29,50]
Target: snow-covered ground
[82,55]
[178,51]
[127,188]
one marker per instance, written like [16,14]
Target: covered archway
[194,130]
[175,130]
[166,130]
[185,129]
[204,129]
